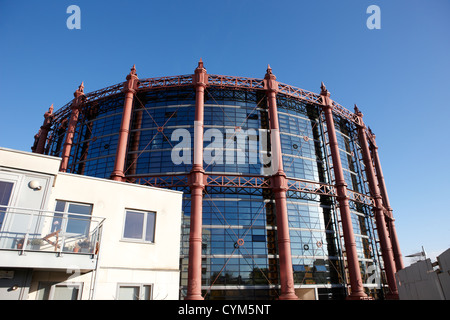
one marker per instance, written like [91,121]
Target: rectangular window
[66,292]
[299,268]
[5,195]
[59,291]
[171,114]
[74,218]
[134,292]
[258,238]
[320,268]
[139,226]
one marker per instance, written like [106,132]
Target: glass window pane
[60,205]
[79,208]
[134,223]
[147,292]
[77,224]
[150,228]
[128,293]
[57,219]
[57,222]
[65,292]
[5,194]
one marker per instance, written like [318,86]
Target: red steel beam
[385,242]
[45,128]
[124,132]
[75,107]
[251,181]
[197,184]
[279,188]
[220,81]
[390,219]
[357,290]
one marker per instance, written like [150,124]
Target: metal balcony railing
[26,229]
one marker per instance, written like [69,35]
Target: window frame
[43,285]
[135,285]
[65,216]
[4,211]
[144,227]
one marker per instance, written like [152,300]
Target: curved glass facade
[236,128]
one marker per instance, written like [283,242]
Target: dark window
[258,238]
[139,226]
[5,195]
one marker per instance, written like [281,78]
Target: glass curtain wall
[239,225]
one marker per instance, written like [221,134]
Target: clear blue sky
[399,75]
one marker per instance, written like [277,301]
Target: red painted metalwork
[357,291]
[45,128]
[218,81]
[385,242]
[197,180]
[233,181]
[360,198]
[250,182]
[279,188]
[124,132]
[75,107]
[390,218]
[197,184]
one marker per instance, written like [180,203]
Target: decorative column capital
[79,96]
[270,81]
[200,75]
[132,82]
[358,112]
[48,117]
[76,107]
[325,96]
[358,116]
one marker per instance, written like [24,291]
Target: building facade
[68,236]
[284,197]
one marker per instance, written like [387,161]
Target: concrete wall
[423,280]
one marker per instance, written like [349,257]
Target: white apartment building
[66,236]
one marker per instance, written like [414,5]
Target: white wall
[122,261]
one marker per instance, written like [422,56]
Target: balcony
[48,240]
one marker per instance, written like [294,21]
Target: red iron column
[130,88]
[357,290]
[390,219]
[197,184]
[279,188]
[385,242]
[76,106]
[44,130]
